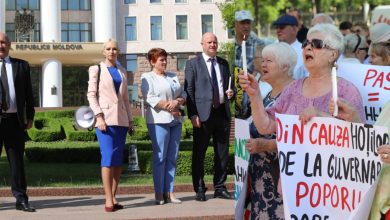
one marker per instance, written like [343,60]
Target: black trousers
[13,138]
[217,127]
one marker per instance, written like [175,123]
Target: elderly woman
[108,98]
[355,48]
[380,53]
[277,65]
[163,96]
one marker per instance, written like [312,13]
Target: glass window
[130,1]
[155,1]
[156,27]
[180,1]
[75,5]
[131,28]
[22,4]
[181,27]
[10,31]
[205,0]
[207,23]
[181,61]
[131,62]
[76,32]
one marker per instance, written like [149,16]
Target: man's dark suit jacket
[199,88]
[23,91]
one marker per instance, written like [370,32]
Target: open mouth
[308,57]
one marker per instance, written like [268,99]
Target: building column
[52,68]
[104,20]
[2,16]
[52,83]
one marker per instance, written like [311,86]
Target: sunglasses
[315,43]
[364,48]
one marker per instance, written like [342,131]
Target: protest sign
[329,167]
[373,83]
[241,159]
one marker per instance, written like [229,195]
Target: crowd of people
[292,76]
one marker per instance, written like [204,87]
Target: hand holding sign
[346,111]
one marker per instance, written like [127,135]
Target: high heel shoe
[109,209]
[168,198]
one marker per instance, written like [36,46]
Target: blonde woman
[108,98]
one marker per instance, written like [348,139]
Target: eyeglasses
[315,43]
[364,48]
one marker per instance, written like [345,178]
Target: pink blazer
[115,107]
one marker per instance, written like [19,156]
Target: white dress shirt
[218,73]
[12,105]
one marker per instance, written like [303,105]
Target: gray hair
[332,36]
[284,55]
[351,42]
[321,18]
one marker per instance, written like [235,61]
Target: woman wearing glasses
[307,97]
[355,48]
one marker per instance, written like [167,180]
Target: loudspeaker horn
[85,117]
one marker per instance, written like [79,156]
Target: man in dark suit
[17,114]
[206,83]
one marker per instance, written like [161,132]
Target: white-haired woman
[355,48]
[277,65]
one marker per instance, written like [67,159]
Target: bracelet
[99,115]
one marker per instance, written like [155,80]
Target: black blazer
[23,91]
[199,88]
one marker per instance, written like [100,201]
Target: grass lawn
[75,175]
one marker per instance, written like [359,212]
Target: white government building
[64,37]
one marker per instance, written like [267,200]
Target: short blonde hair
[110,40]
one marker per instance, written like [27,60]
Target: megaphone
[84,117]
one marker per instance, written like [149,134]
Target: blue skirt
[112,142]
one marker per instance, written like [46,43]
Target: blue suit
[215,122]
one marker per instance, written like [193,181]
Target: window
[131,28]
[12,5]
[10,31]
[155,1]
[156,27]
[207,23]
[76,5]
[181,27]
[180,1]
[76,32]
[130,1]
[205,0]
[131,62]
[181,61]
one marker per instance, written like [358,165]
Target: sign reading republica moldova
[329,167]
[241,160]
[373,83]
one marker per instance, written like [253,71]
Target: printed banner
[241,159]
[373,83]
[329,167]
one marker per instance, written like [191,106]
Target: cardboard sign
[241,160]
[329,167]
[373,83]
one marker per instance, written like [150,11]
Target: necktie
[5,88]
[214,83]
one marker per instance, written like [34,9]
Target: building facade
[67,37]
